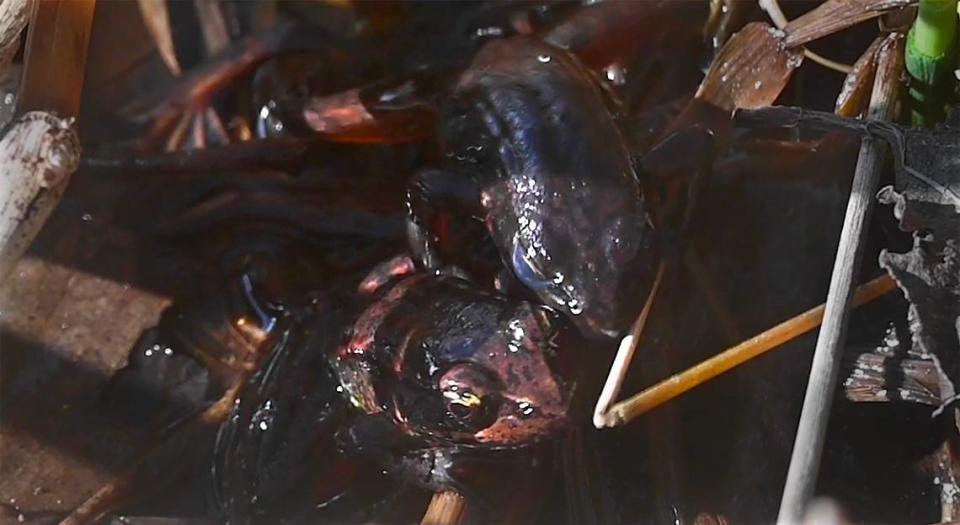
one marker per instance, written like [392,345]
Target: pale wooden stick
[156,17]
[37,156]
[13,18]
[808,446]
[678,384]
[446,508]
[41,151]
[212,25]
[621,362]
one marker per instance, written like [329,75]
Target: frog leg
[185,117]
[388,112]
[427,228]
[282,203]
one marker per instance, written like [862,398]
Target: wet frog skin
[454,364]
[534,150]
[408,373]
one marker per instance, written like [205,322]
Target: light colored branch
[14,15]
[678,384]
[602,415]
[156,18]
[446,508]
[37,156]
[808,446]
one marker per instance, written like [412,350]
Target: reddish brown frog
[411,373]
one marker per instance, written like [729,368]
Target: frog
[534,151]
[401,375]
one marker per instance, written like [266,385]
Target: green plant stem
[930,52]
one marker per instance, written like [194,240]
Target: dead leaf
[833,16]
[751,70]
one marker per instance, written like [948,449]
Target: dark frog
[454,364]
[411,374]
[534,149]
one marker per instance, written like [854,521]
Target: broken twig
[808,446]
[37,156]
[13,18]
[680,383]
[446,508]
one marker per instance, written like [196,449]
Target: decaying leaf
[856,88]
[751,70]
[926,201]
[833,16]
[917,377]
[929,274]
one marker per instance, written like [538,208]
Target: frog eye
[470,397]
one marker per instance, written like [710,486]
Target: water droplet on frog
[616,75]
[340,389]
[758,84]
[543,59]
[724,78]
[526,409]
[9,99]
[513,348]
[263,425]
[86,217]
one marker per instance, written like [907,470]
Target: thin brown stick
[281,153]
[808,446]
[212,25]
[156,17]
[446,508]
[704,281]
[759,344]
[198,131]
[161,458]
[215,126]
[772,7]
[56,57]
[179,134]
